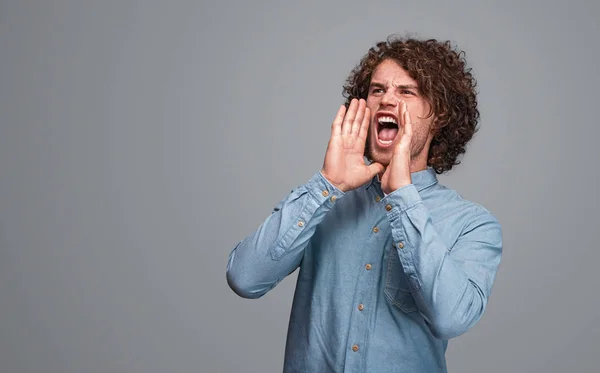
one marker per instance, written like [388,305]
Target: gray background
[140,140]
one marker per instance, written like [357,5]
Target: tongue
[387,134]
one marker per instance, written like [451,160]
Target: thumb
[375,168]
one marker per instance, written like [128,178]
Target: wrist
[399,185]
[340,186]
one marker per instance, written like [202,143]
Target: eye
[377,90]
[407,92]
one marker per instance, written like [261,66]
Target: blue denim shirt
[384,280]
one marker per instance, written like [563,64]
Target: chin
[383,159]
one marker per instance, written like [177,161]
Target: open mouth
[387,130]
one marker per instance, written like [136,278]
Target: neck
[414,167]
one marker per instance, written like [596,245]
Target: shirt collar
[420,179]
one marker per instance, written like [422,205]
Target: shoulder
[453,205]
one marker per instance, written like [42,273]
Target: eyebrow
[401,86]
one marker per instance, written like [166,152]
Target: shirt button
[400,245]
[301,224]
[377,199]
[355,348]
[368,267]
[388,207]
[361,307]
[375,229]
[333,198]
[325,193]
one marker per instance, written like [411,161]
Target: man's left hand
[397,173]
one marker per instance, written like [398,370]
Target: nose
[389,99]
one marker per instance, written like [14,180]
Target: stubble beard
[385,158]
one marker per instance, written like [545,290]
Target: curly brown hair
[444,81]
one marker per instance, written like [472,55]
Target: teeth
[386,142]
[387,119]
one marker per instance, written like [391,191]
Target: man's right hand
[344,165]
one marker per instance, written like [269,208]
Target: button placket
[364,295]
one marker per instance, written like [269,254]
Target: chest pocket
[396,284]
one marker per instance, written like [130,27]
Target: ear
[435,130]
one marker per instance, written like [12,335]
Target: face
[390,83]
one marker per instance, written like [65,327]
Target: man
[392,263]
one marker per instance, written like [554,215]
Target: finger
[406,139]
[375,168]
[407,121]
[349,118]
[364,125]
[360,114]
[336,126]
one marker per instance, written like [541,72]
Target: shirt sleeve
[450,285]
[265,257]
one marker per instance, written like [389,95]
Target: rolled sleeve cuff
[322,197]
[401,200]
[322,190]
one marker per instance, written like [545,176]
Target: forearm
[264,258]
[450,285]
